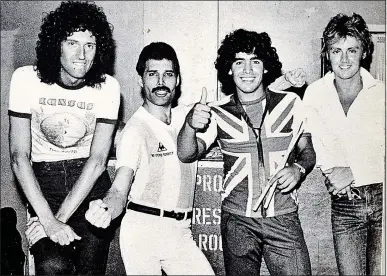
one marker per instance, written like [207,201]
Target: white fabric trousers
[150,243]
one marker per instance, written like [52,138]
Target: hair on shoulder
[57,25]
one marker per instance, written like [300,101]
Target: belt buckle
[178,216]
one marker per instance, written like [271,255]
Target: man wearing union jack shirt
[260,133]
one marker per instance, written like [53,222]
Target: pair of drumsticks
[270,189]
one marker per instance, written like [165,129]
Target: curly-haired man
[346,116]
[255,127]
[62,118]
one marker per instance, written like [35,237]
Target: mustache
[158,88]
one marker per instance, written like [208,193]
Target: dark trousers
[87,256]
[280,240]
[357,231]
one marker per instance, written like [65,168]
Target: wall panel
[190,27]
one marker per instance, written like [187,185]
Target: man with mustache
[155,232]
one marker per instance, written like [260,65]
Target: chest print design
[65,129]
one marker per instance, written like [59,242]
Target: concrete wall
[194,28]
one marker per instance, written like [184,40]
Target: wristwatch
[300,168]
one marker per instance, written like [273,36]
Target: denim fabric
[280,240]
[87,256]
[357,231]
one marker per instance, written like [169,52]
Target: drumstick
[274,185]
[284,160]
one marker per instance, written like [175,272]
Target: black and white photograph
[227,138]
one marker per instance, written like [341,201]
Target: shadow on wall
[12,255]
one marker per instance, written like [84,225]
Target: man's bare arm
[20,150]
[94,167]
[102,212]
[189,148]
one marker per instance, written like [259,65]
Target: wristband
[300,168]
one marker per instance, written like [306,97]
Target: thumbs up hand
[203,98]
[199,116]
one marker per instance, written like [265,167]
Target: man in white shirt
[155,232]
[346,110]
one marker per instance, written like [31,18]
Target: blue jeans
[87,256]
[357,231]
[280,240]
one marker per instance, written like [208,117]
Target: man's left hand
[296,77]
[287,178]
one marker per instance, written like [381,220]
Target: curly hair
[246,42]
[57,25]
[159,51]
[342,26]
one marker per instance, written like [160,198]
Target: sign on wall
[206,218]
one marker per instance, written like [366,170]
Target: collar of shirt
[345,139]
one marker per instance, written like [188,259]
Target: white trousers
[150,243]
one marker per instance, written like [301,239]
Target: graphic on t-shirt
[162,151]
[63,121]
[63,129]
[59,130]
[161,148]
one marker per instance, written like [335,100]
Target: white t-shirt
[63,120]
[355,140]
[148,146]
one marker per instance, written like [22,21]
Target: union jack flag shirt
[243,180]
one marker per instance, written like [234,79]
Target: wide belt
[158,212]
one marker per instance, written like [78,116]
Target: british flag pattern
[243,179]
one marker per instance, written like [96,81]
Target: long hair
[68,18]
[342,26]
[246,42]
[160,51]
